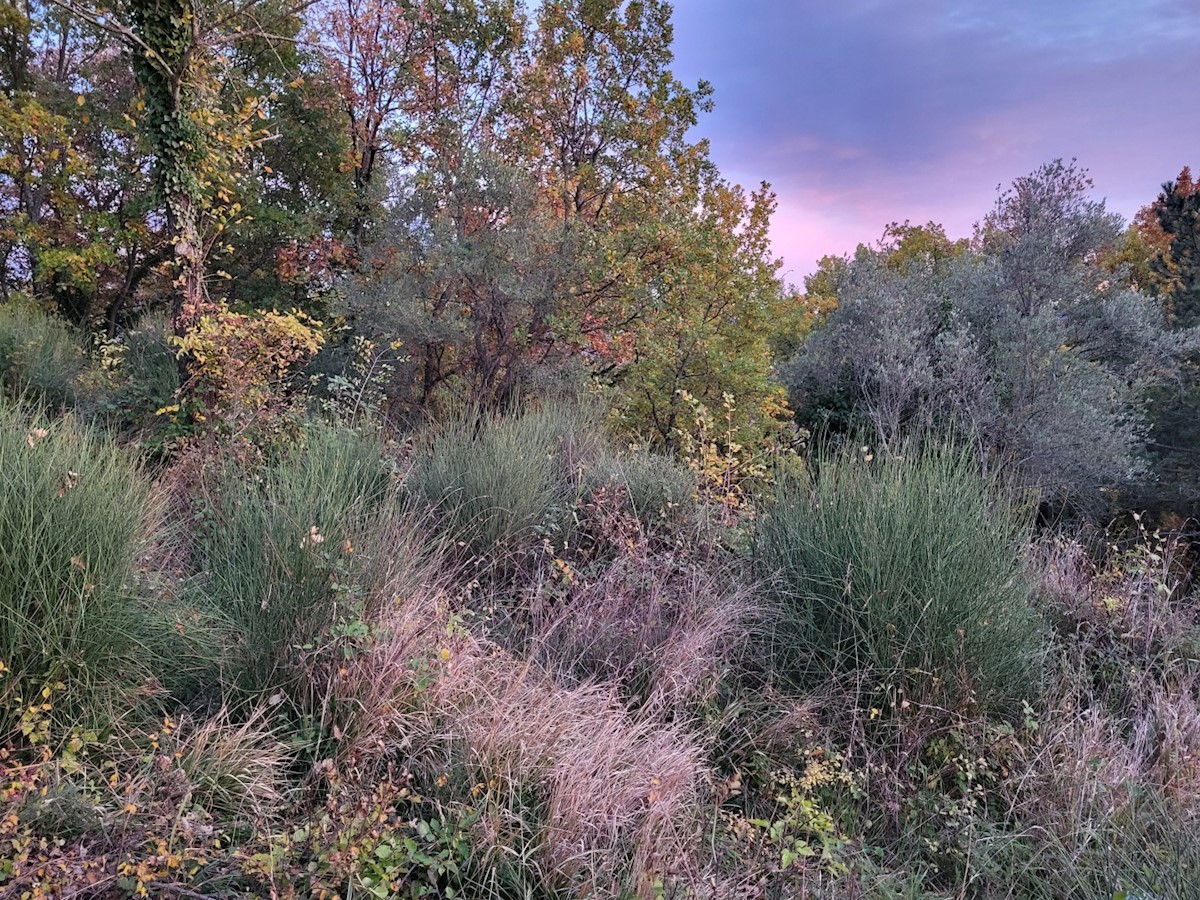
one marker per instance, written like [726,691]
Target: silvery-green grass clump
[906,569]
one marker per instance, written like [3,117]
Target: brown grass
[662,627]
[1120,721]
[583,795]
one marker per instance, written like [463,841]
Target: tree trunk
[189,301]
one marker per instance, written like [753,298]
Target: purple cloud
[870,111]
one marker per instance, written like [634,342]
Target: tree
[462,271]
[1024,342]
[296,194]
[74,174]
[601,121]
[906,246]
[1177,211]
[705,329]
[597,113]
[1170,227]
[418,81]
[549,210]
[179,50]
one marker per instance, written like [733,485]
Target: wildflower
[35,435]
[313,537]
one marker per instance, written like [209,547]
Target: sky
[865,112]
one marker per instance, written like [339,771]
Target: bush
[39,355]
[498,480]
[1024,339]
[279,557]
[70,526]
[146,378]
[906,569]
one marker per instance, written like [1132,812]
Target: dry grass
[618,794]
[236,768]
[661,626]
[1111,777]
[1125,711]
[1138,595]
[577,794]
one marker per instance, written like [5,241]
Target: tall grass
[70,526]
[576,796]
[278,547]
[39,356]
[659,490]
[498,481]
[907,570]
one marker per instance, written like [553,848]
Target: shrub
[906,569]
[70,526]
[280,557]
[39,355]
[498,480]
[145,379]
[239,364]
[1025,339]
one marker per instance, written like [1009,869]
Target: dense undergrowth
[508,657]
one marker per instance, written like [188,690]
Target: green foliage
[387,843]
[657,489]
[520,192]
[1169,234]
[463,278]
[40,356]
[1026,342]
[904,569]
[500,481]
[144,378]
[167,29]
[705,328]
[84,250]
[278,553]
[70,527]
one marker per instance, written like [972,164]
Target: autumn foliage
[420,481]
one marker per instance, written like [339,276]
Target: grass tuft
[499,482]
[278,549]
[71,525]
[40,356]
[907,570]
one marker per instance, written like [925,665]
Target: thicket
[318,658]
[400,497]
[1019,341]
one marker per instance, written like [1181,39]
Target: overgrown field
[419,478]
[509,657]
